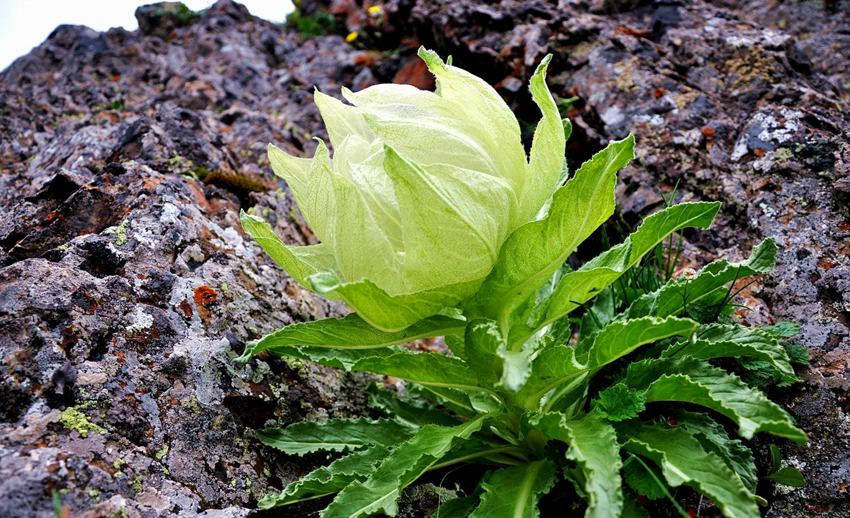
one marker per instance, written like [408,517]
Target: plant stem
[487,453]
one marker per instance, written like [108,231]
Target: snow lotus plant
[423,189]
[434,223]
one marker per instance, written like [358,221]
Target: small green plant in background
[617,378]
[320,24]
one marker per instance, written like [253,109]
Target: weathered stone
[127,286]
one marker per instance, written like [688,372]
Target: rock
[127,286]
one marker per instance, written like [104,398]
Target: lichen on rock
[127,287]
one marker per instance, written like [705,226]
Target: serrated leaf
[534,251]
[797,354]
[713,437]
[334,435]
[539,304]
[684,461]
[456,400]
[481,450]
[514,492]
[678,294]
[732,341]
[495,365]
[593,447]
[619,403]
[461,507]
[423,368]
[350,332]
[783,329]
[787,476]
[641,481]
[457,508]
[694,381]
[620,338]
[339,358]
[380,491]
[596,317]
[482,343]
[329,479]
[775,458]
[412,412]
[633,509]
[554,368]
[579,286]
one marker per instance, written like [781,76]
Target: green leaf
[334,435]
[633,509]
[455,400]
[619,403]
[457,508]
[482,451]
[329,479]
[391,312]
[783,329]
[300,262]
[514,492]
[622,337]
[547,148]
[684,461]
[593,447]
[423,368]
[579,286]
[775,457]
[787,476]
[731,341]
[554,368]
[596,317]
[714,438]
[797,354]
[676,295]
[638,478]
[412,412]
[380,491]
[534,251]
[339,358]
[350,332]
[694,381]
[482,343]
[495,365]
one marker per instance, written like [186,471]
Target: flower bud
[422,190]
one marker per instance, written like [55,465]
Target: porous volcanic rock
[127,286]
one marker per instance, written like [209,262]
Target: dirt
[127,286]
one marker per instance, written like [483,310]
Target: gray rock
[127,286]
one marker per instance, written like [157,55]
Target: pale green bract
[422,190]
[434,224]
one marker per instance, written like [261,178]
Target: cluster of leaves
[542,396]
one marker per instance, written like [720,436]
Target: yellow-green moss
[162,452]
[120,232]
[73,419]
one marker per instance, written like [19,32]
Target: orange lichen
[205,296]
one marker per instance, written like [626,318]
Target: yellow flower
[351,37]
[375,9]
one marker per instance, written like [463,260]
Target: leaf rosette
[431,203]
[421,192]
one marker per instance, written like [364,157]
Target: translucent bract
[422,190]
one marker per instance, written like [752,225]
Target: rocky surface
[127,286]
